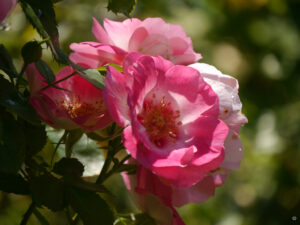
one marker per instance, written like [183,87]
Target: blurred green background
[257,41]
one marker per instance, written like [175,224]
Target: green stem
[63,137]
[105,167]
[44,40]
[28,214]
[114,169]
[125,159]
[20,75]
[58,81]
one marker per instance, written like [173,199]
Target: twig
[21,74]
[28,214]
[58,81]
[57,145]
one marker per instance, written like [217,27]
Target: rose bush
[78,105]
[151,37]
[179,124]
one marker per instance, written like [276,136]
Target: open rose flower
[172,124]
[230,106]
[156,207]
[150,37]
[79,105]
[5,7]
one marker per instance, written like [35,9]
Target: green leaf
[14,184]
[125,6]
[12,143]
[45,71]
[36,138]
[31,52]
[6,63]
[92,209]
[15,101]
[45,12]
[33,18]
[117,67]
[72,138]
[48,191]
[69,167]
[94,77]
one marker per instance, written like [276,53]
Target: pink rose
[172,124]
[230,106]
[82,106]
[150,37]
[5,7]
[161,211]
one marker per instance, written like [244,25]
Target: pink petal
[88,62]
[100,33]
[209,142]
[233,151]
[178,45]
[115,95]
[5,7]
[152,44]
[35,80]
[137,38]
[126,28]
[186,58]
[93,55]
[150,183]
[194,97]
[197,193]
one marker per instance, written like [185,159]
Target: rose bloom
[5,7]
[172,124]
[230,108]
[79,105]
[150,37]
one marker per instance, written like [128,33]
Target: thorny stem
[28,214]
[105,167]
[44,40]
[58,81]
[21,74]
[58,144]
[113,170]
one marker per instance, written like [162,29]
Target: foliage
[24,170]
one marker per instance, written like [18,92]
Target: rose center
[78,108]
[160,121]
